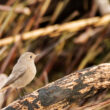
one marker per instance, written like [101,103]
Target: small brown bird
[23,72]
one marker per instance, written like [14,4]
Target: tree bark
[59,95]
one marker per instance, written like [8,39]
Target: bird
[23,72]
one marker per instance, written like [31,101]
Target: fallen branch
[97,106]
[60,94]
[70,27]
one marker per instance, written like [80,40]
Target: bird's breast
[27,77]
[32,70]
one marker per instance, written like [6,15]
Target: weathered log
[60,94]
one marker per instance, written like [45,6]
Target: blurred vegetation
[61,52]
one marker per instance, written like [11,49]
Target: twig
[2,50]
[104,6]
[43,9]
[70,27]
[23,10]
[7,60]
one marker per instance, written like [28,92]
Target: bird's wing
[17,72]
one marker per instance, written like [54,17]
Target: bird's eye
[30,56]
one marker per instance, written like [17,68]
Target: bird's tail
[7,88]
[4,93]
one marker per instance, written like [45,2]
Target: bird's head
[27,56]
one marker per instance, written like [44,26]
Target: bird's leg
[18,93]
[24,92]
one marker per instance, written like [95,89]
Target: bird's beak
[37,55]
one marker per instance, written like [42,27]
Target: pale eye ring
[30,56]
